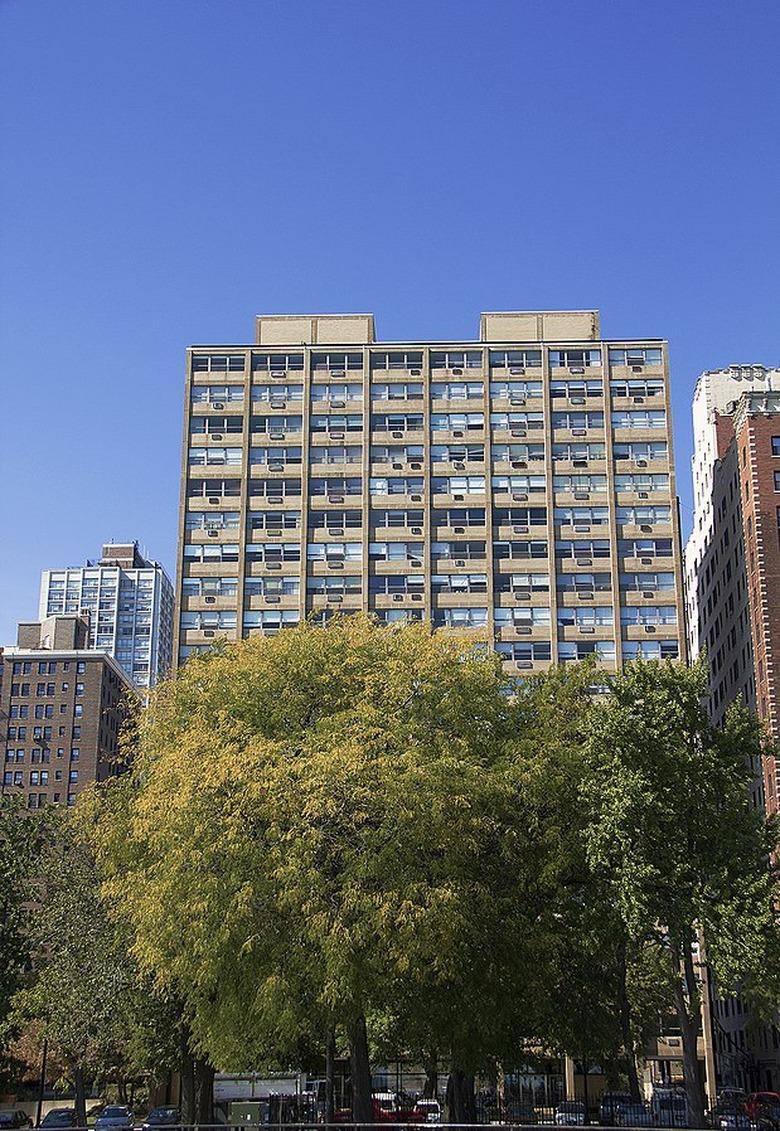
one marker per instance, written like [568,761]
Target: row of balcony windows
[625,419]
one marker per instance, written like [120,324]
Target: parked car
[59,1117]
[764,1109]
[669,1107]
[14,1118]
[427,1111]
[609,1106]
[114,1117]
[162,1117]
[570,1113]
[730,1116]
[634,1114]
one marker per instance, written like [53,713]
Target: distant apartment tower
[732,567]
[521,484]
[60,711]
[128,602]
[732,558]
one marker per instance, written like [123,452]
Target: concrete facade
[129,603]
[60,712]
[519,484]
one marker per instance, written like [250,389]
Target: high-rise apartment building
[128,602]
[60,712]
[732,565]
[522,484]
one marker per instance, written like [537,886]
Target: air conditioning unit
[397,435]
[272,600]
[637,366]
[415,372]
[415,466]
[338,404]
[576,400]
[579,463]
[641,463]
[336,532]
[579,431]
[398,596]
[520,496]
[519,431]
[417,596]
[456,372]
[208,632]
[277,402]
[649,593]
[523,629]
[649,628]
[519,529]
[273,533]
[213,533]
[576,369]
[275,500]
[581,528]
[646,528]
[516,370]
[581,494]
[335,563]
[416,529]
[585,594]
[217,405]
[416,498]
[459,498]
[459,562]
[587,628]
[521,594]
[519,463]
[638,400]
[277,435]
[335,498]
[415,562]
[213,499]
[458,433]
[209,600]
[524,663]
[335,597]
[643,494]
[278,373]
[336,435]
[646,561]
[517,400]
[337,373]
[216,435]
[459,530]
[275,465]
[273,565]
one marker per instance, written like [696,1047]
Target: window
[515,359]
[776,445]
[457,390]
[209,619]
[273,552]
[576,390]
[214,456]
[457,421]
[651,649]
[277,427]
[648,614]
[201,425]
[395,485]
[520,484]
[460,618]
[218,363]
[335,520]
[277,393]
[337,422]
[458,484]
[397,422]
[639,418]
[514,618]
[275,458]
[586,616]
[459,583]
[210,394]
[574,358]
[276,362]
[272,587]
[578,421]
[642,387]
[396,391]
[337,453]
[270,620]
[517,420]
[584,582]
[396,551]
[222,488]
[777,481]
[522,651]
[573,650]
[524,549]
[351,391]
[466,551]
[336,361]
[456,359]
[516,389]
[408,360]
[334,551]
[335,487]
[580,484]
[635,356]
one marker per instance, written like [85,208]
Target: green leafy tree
[335,825]
[677,842]
[23,836]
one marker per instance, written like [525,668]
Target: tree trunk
[204,1092]
[431,1086]
[687,999]
[187,1071]
[81,1097]
[361,1072]
[626,1032]
[330,1056]
[461,1101]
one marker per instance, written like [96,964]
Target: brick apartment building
[60,711]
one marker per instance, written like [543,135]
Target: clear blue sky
[173,167]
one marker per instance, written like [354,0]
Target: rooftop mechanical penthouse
[522,483]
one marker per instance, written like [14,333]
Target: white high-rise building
[128,602]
